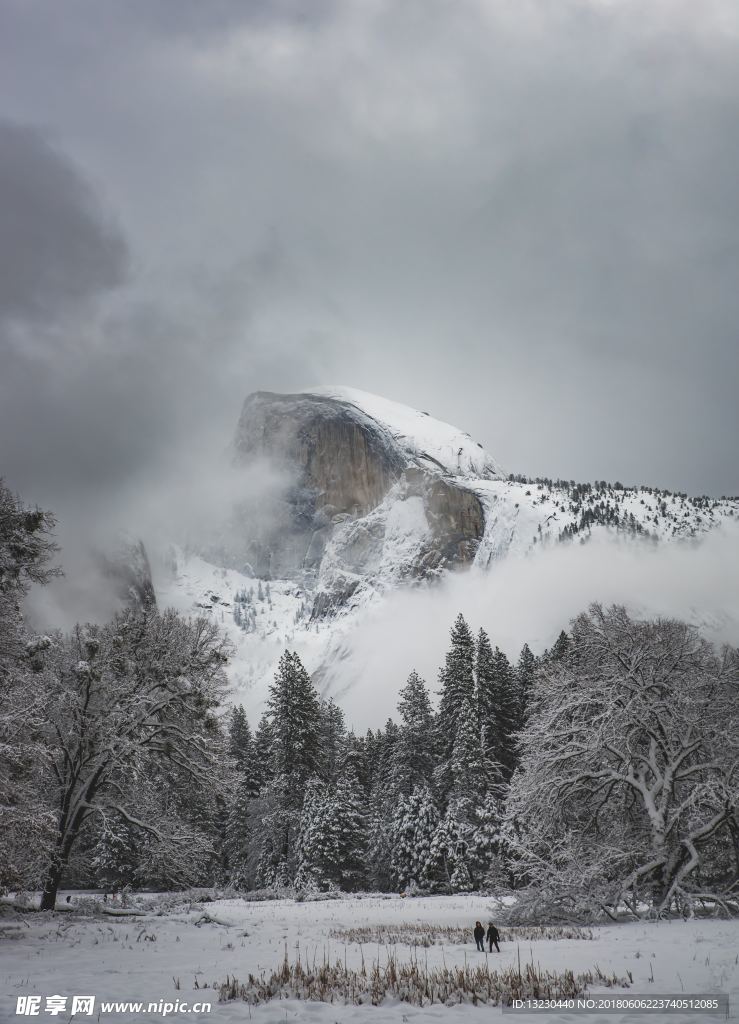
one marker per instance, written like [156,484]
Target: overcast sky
[520,216]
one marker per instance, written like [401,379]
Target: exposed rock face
[342,457]
[359,507]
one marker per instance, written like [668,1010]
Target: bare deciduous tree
[146,688]
[630,767]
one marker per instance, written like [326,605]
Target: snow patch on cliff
[429,442]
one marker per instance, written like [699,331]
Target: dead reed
[445,935]
[410,982]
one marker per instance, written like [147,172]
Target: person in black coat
[479,934]
[493,937]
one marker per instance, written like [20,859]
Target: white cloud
[530,600]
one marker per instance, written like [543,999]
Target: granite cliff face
[345,463]
[363,506]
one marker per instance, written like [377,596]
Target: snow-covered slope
[428,441]
[384,497]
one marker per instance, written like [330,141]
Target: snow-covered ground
[152,958]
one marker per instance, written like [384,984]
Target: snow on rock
[428,441]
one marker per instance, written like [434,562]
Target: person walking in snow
[493,937]
[479,934]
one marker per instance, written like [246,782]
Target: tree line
[601,775]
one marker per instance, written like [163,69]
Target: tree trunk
[51,885]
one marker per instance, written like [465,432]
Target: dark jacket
[479,933]
[493,933]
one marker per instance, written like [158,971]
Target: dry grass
[444,935]
[410,982]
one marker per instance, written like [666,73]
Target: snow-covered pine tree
[261,765]
[525,671]
[451,846]
[295,720]
[250,754]
[560,647]
[333,838]
[461,880]
[487,709]
[470,774]
[488,854]
[317,845]
[380,761]
[274,829]
[239,833]
[411,833]
[507,711]
[294,717]
[352,817]
[239,737]
[414,753]
[332,739]
[381,785]
[469,777]
[457,680]
[380,843]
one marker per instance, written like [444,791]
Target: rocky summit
[362,498]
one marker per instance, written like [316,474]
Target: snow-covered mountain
[379,496]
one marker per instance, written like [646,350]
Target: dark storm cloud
[520,217]
[104,394]
[56,250]
[58,254]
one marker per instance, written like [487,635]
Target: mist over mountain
[370,524]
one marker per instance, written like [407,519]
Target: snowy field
[162,957]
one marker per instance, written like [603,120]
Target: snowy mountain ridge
[428,442]
[387,497]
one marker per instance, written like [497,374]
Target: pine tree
[333,840]
[262,766]
[561,647]
[239,738]
[380,844]
[294,715]
[457,680]
[351,826]
[238,833]
[486,697]
[295,722]
[317,846]
[413,756]
[525,671]
[488,840]
[506,712]
[469,776]
[381,760]
[332,739]
[411,834]
[451,846]
[275,827]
